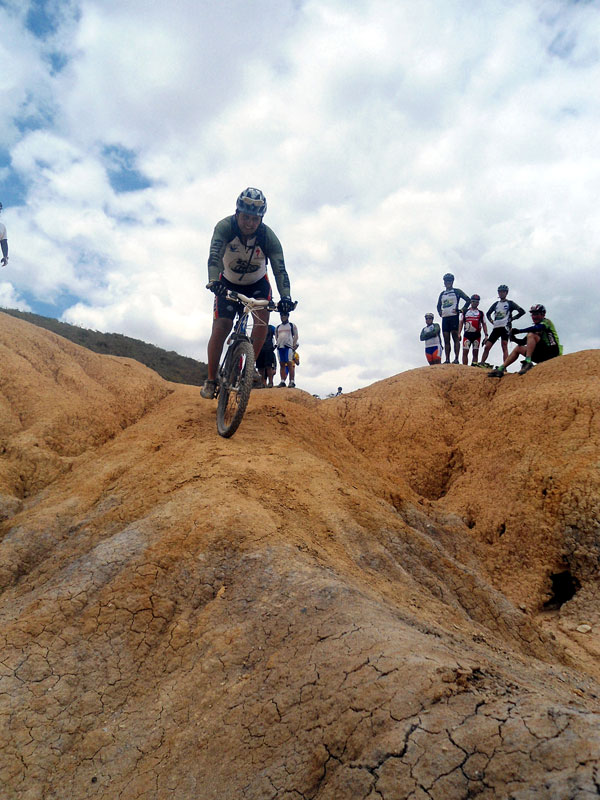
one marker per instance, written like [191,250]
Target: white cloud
[9,297]
[392,142]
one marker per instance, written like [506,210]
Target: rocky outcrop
[352,598]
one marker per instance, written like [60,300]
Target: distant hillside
[170,365]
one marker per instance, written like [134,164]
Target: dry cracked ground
[389,594]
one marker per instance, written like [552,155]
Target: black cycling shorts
[544,352]
[224,308]
[471,336]
[266,359]
[498,333]
[450,323]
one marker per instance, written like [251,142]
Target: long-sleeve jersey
[246,262]
[547,332]
[448,302]
[503,312]
[431,335]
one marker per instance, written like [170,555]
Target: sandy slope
[345,600]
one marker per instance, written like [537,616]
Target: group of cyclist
[242,246]
[541,342]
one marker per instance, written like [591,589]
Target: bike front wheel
[234,390]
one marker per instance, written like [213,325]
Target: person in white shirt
[501,314]
[3,243]
[430,334]
[286,335]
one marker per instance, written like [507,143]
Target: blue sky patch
[41,19]
[122,170]
[54,309]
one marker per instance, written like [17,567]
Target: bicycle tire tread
[244,354]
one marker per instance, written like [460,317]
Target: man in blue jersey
[240,249]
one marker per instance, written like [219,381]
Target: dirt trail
[351,598]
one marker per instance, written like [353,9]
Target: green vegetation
[168,364]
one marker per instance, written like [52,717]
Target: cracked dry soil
[351,598]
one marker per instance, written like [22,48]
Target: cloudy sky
[394,141]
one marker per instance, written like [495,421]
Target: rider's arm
[3,243]
[460,293]
[295,337]
[537,328]
[490,311]
[274,252]
[461,321]
[222,234]
[483,324]
[439,304]
[430,334]
[518,311]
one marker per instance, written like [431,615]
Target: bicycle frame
[236,372]
[250,306]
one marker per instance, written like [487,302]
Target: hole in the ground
[564,586]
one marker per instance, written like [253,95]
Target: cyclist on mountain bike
[240,248]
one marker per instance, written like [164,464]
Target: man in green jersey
[240,249]
[541,343]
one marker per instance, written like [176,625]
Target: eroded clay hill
[376,596]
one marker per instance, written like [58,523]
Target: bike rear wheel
[234,390]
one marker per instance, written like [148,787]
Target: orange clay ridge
[389,594]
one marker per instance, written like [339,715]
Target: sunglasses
[253,201]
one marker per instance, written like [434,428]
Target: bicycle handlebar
[251,303]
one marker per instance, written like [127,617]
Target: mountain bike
[237,370]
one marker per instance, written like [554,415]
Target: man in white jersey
[3,242]
[448,309]
[240,249]
[430,334]
[286,335]
[501,314]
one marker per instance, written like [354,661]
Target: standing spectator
[501,314]
[3,242]
[447,308]
[266,363]
[286,335]
[471,322]
[339,391]
[430,334]
[541,344]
